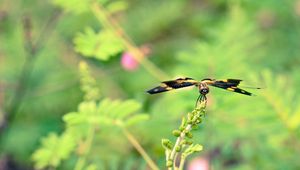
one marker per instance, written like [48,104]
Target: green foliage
[257,41]
[54,149]
[75,6]
[89,116]
[116,6]
[81,126]
[100,45]
[78,7]
[88,83]
[183,145]
[224,50]
[191,149]
[285,105]
[106,113]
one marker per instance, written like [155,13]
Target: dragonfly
[203,86]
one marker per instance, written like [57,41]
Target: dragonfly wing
[173,84]
[238,90]
[230,85]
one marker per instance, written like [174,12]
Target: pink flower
[128,62]
[200,163]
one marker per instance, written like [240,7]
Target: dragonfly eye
[204,90]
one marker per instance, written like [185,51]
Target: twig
[32,49]
[139,148]
[177,144]
[172,152]
[103,16]
[87,147]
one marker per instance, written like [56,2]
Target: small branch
[178,143]
[181,164]
[87,147]
[110,24]
[183,133]
[140,149]
[32,49]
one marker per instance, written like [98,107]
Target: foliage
[55,149]
[42,43]
[83,125]
[99,45]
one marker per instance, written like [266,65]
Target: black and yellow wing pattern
[173,84]
[228,84]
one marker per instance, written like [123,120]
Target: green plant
[85,124]
[184,146]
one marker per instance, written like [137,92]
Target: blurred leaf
[76,6]
[117,6]
[136,119]
[192,149]
[88,108]
[102,45]
[91,167]
[120,111]
[107,112]
[226,49]
[54,149]
[73,118]
[125,108]
[294,120]
[88,83]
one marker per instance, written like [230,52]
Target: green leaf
[136,119]
[113,105]
[125,108]
[88,108]
[53,150]
[104,104]
[91,167]
[102,45]
[101,120]
[294,120]
[192,149]
[74,118]
[75,6]
[88,83]
[117,6]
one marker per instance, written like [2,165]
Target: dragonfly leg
[201,98]
[198,100]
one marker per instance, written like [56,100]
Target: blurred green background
[42,43]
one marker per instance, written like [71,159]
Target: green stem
[103,16]
[32,48]
[87,144]
[140,149]
[173,154]
[182,161]
[193,118]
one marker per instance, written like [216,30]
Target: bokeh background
[43,42]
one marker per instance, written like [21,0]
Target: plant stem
[139,148]
[181,164]
[177,144]
[87,147]
[193,118]
[32,48]
[103,16]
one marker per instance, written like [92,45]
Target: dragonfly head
[203,88]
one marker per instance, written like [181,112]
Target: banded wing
[173,84]
[228,84]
